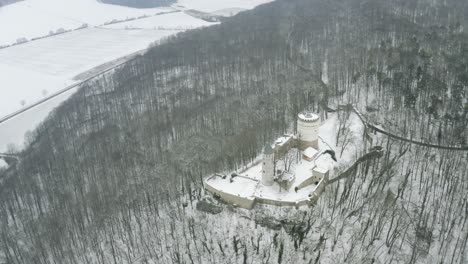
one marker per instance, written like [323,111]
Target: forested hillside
[114,174]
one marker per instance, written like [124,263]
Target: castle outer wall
[249,202]
[241,201]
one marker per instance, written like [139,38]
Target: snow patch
[36,18]
[210,6]
[172,21]
[3,164]
[228,12]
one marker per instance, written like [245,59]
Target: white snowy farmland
[214,6]
[33,70]
[36,18]
[172,21]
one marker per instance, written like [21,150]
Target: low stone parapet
[241,201]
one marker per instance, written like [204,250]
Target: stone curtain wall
[249,202]
[243,202]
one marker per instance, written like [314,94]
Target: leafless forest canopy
[114,174]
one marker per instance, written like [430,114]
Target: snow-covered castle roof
[308,117]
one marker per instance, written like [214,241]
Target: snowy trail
[3,155]
[14,130]
[400,138]
[60,92]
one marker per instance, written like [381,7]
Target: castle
[290,171]
[305,140]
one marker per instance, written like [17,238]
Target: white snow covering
[36,18]
[275,193]
[14,130]
[228,12]
[324,161]
[306,116]
[72,53]
[210,6]
[25,85]
[252,188]
[3,164]
[172,21]
[283,140]
[320,170]
[49,64]
[327,133]
[240,186]
[254,172]
[310,152]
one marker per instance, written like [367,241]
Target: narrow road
[397,137]
[64,90]
[8,156]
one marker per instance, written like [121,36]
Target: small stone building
[309,153]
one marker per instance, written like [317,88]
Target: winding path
[420,143]
[64,90]
[8,156]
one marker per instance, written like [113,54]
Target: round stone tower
[268,166]
[307,130]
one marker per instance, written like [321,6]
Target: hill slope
[114,175]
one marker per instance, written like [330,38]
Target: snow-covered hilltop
[291,172]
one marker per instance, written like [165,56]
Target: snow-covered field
[36,18]
[23,86]
[14,130]
[31,71]
[42,67]
[178,21]
[211,6]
